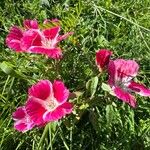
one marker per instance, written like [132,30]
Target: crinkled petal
[125,97]
[63,37]
[139,88]
[51,33]
[13,38]
[122,70]
[35,109]
[19,113]
[42,90]
[102,58]
[54,53]
[30,24]
[30,38]
[58,113]
[61,93]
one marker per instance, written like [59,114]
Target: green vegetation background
[123,27]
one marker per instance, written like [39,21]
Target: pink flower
[44,42]
[48,102]
[13,39]
[32,39]
[121,73]
[23,121]
[102,58]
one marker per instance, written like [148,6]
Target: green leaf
[107,88]
[91,85]
[7,68]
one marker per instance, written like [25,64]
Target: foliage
[99,121]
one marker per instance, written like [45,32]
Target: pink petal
[67,107]
[102,58]
[63,37]
[21,126]
[13,38]
[139,88]
[35,109]
[122,70]
[30,38]
[30,24]
[58,113]
[51,33]
[125,97]
[41,90]
[54,53]
[19,113]
[23,121]
[61,93]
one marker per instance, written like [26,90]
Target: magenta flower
[121,73]
[23,121]
[102,58]
[32,39]
[43,42]
[48,102]
[13,39]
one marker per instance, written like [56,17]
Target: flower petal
[30,38]
[35,109]
[42,90]
[122,70]
[125,97]
[139,88]
[63,37]
[102,58]
[19,113]
[67,107]
[13,38]
[58,113]
[54,53]
[61,93]
[51,33]
[30,24]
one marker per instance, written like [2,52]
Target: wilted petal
[54,53]
[30,38]
[42,90]
[30,24]
[139,88]
[125,96]
[13,38]
[61,93]
[102,58]
[35,108]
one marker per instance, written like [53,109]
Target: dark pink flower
[23,121]
[102,58]
[44,42]
[13,39]
[48,102]
[121,73]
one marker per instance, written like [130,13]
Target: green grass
[108,124]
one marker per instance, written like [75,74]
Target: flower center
[47,43]
[51,103]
